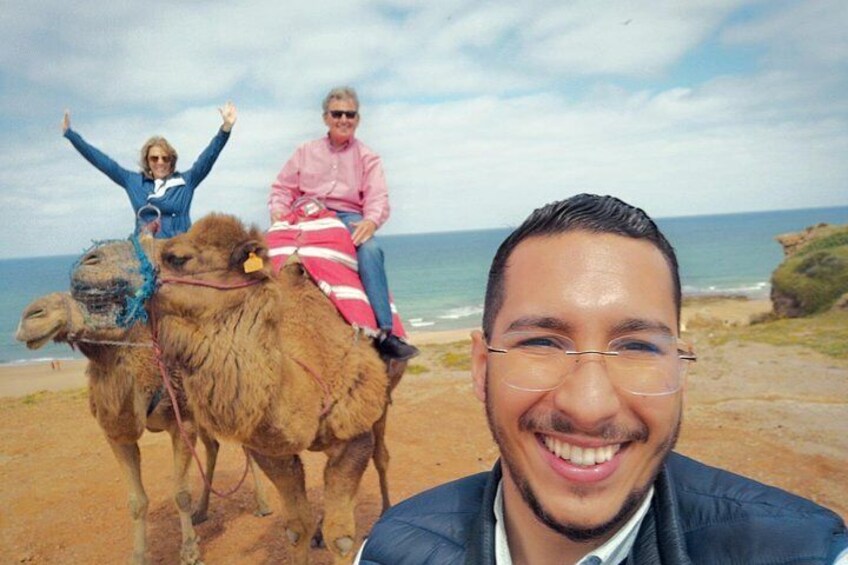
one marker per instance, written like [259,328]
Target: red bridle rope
[209,284]
[166,378]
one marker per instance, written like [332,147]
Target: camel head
[110,279]
[217,253]
[55,316]
[58,316]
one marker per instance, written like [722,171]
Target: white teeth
[583,456]
[577,455]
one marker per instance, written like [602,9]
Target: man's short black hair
[583,212]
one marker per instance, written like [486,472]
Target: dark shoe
[394,347]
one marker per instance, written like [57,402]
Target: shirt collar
[612,552]
[338,149]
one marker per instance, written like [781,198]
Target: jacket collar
[660,538]
[481,537]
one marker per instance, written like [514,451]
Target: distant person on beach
[159,192]
[581,370]
[347,177]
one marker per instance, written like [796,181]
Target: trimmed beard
[570,531]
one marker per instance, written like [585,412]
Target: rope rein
[328,398]
[209,284]
[166,379]
[109,342]
[166,376]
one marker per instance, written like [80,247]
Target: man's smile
[577,455]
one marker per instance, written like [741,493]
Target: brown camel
[271,365]
[122,379]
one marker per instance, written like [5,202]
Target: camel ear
[251,257]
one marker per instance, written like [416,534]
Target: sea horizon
[508,227]
[438,278]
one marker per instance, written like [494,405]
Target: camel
[268,362]
[122,380]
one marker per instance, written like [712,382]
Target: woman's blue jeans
[372,273]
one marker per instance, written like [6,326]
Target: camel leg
[345,466]
[262,506]
[381,458]
[201,512]
[190,549]
[211,444]
[129,458]
[381,453]
[290,480]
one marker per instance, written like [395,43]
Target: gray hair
[340,93]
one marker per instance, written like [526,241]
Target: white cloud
[482,112]
[806,35]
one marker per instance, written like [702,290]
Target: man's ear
[479,360]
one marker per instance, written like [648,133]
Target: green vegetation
[453,356]
[455,360]
[817,275]
[35,397]
[416,369]
[826,333]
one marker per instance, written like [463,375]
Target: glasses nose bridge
[578,356]
[574,360]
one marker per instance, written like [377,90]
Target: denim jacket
[173,199]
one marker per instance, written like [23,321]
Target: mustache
[552,421]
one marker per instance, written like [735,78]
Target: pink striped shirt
[349,179]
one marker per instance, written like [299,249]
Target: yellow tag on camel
[253,263]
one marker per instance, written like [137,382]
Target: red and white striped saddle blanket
[324,247]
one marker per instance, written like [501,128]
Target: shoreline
[24,377]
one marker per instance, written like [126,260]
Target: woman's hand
[230,114]
[66,121]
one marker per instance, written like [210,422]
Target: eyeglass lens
[647,366]
[349,114]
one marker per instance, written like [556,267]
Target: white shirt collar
[161,186]
[612,552]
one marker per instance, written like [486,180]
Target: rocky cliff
[813,276]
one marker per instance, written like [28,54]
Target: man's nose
[587,394]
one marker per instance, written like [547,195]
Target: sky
[481,111]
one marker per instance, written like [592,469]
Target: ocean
[438,279]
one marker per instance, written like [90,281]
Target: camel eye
[37,313]
[175,261]
[91,258]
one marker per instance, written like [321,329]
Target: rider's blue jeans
[373,273]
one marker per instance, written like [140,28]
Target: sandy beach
[775,413]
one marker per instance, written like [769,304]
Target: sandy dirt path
[778,414]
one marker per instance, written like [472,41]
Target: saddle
[322,243]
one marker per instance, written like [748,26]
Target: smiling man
[581,370]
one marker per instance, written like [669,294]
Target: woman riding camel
[160,195]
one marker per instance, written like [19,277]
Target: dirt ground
[777,414]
